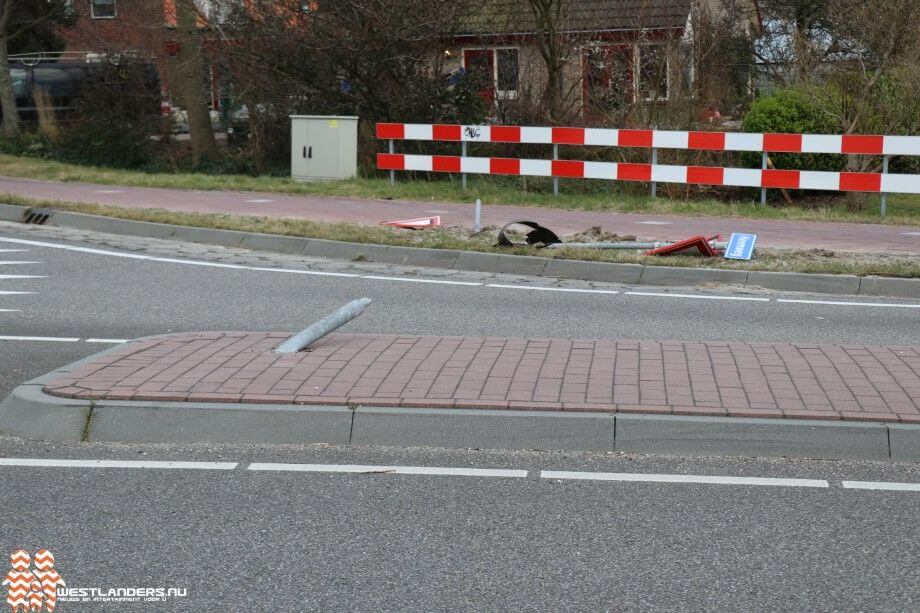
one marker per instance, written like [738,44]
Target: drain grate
[37,217]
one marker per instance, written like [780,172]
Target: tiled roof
[516,16]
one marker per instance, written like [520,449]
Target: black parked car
[61,81]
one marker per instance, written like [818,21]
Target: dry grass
[812,261]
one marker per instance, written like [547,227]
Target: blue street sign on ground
[741,247]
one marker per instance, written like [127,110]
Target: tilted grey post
[477,216]
[324,326]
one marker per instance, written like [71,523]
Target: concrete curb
[633,274]
[30,413]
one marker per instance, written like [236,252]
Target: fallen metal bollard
[324,326]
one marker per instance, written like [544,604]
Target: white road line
[47,463]
[411,280]
[13,250]
[860,304]
[699,296]
[9,310]
[15,293]
[554,289]
[705,479]
[5,263]
[22,277]
[881,485]
[112,341]
[40,339]
[150,258]
[315,273]
[397,470]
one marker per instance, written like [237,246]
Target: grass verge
[576,195]
[810,261]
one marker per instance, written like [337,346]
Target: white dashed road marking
[47,463]
[107,341]
[448,471]
[8,277]
[856,304]
[700,479]
[881,485]
[394,470]
[698,296]
[6,263]
[15,293]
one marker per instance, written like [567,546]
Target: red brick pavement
[723,379]
[773,233]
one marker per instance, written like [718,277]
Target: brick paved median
[861,383]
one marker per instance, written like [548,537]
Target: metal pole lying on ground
[323,327]
[477,219]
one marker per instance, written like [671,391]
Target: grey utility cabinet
[323,148]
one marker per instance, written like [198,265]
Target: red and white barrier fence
[764,178]
[692,175]
[656,139]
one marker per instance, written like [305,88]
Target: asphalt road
[243,540]
[239,539]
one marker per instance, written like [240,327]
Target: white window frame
[500,94]
[92,10]
[638,73]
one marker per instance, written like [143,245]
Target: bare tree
[189,76]
[549,19]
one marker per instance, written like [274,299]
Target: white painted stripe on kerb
[881,485]
[699,296]
[394,470]
[703,479]
[554,289]
[48,463]
[411,280]
[857,304]
[39,339]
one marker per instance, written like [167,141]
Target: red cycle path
[772,233]
[860,383]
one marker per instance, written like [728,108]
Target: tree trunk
[856,201]
[7,98]
[190,72]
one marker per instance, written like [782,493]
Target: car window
[20,82]
[57,82]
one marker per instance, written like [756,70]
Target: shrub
[116,114]
[792,112]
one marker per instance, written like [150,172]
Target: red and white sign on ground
[658,173]
[415,224]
